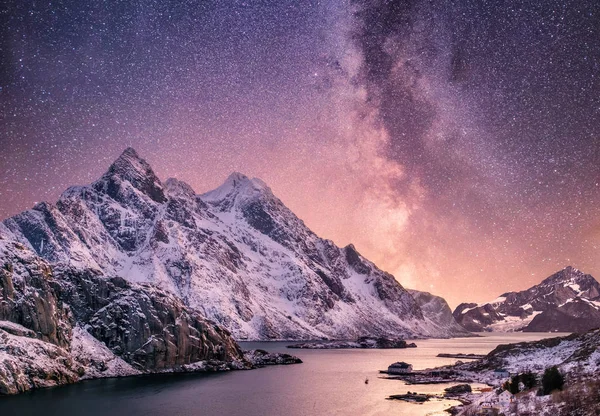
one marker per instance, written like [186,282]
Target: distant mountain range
[237,255]
[567,301]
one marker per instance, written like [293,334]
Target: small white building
[400,368]
[506,398]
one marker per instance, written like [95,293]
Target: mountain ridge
[236,253]
[566,301]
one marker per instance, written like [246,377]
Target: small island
[412,397]
[362,342]
[453,392]
[462,356]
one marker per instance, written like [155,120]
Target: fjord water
[329,382]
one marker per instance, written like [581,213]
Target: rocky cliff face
[567,301]
[437,310]
[236,254]
[147,327]
[27,296]
[58,325]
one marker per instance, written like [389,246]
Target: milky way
[456,144]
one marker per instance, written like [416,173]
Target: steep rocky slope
[59,325]
[437,310]
[567,301]
[236,254]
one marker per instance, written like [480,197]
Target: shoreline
[253,360]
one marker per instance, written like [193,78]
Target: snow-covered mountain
[237,254]
[567,301]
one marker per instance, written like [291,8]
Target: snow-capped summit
[237,254]
[237,188]
[130,163]
[583,284]
[567,301]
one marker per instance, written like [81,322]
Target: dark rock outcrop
[139,327]
[458,389]
[149,328]
[577,316]
[262,358]
[27,297]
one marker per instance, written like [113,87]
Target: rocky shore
[261,358]
[27,363]
[454,392]
[412,397]
[431,376]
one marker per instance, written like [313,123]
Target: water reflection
[330,382]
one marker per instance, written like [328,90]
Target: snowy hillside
[576,354]
[577,358]
[567,301]
[237,254]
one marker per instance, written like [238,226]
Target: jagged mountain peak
[130,152]
[43,206]
[130,168]
[566,275]
[129,162]
[239,182]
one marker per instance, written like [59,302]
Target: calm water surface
[330,382]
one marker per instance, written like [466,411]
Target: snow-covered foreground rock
[236,254]
[61,325]
[576,354]
[577,358]
[567,301]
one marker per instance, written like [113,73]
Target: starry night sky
[455,143]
